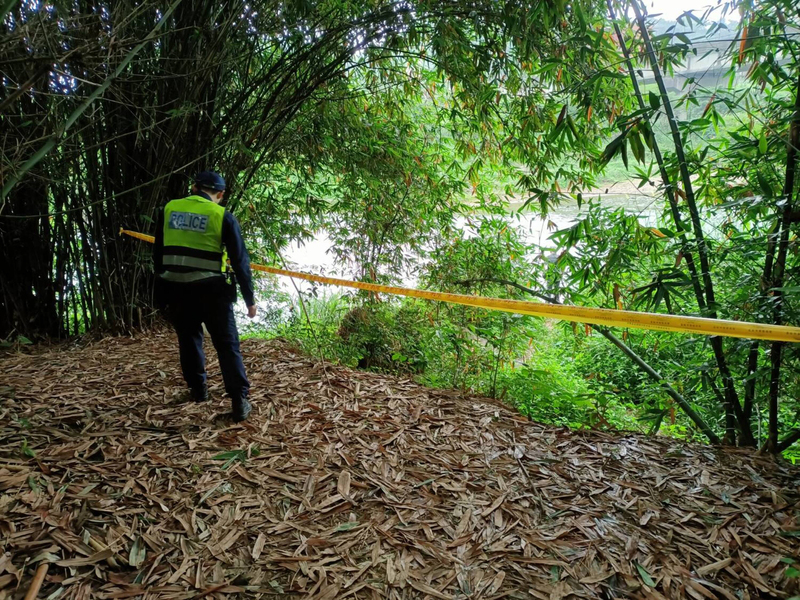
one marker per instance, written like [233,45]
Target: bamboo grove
[202,83]
[376,119]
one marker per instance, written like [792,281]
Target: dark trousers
[188,312]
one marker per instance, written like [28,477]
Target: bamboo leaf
[655,101]
[561,115]
[637,147]
[766,188]
[710,103]
[624,150]
[227,455]
[742,44]
[26,450]
[572,128]
[646,578]
[137,553]
[613,147]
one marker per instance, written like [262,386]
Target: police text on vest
[187,221]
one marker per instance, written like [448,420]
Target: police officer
[195,237]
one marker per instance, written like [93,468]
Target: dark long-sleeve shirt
[234,244]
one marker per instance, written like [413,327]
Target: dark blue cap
[210,180]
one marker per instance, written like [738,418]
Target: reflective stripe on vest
[203,264]
[193,240]
[188,277]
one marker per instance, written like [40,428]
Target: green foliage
[546,387]
[646,405]
[232,456]
[26,450]
[519,359]
[382,337]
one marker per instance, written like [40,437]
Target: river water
[314,256]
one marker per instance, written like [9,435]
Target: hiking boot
[241,408]
[199,394]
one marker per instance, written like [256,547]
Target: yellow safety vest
[193,248]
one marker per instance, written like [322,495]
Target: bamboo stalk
[731,396]
[776,280]
[669,187]
[55,139]
[38,580]
[6,8]
[691,203]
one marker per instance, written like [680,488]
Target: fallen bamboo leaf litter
[358,485]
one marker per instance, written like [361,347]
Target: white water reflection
[314,256]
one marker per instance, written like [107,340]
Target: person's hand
[251,311]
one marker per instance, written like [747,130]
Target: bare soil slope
[351,484]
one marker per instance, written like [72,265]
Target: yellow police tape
[582,314]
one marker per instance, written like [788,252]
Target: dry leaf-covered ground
[347,484]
